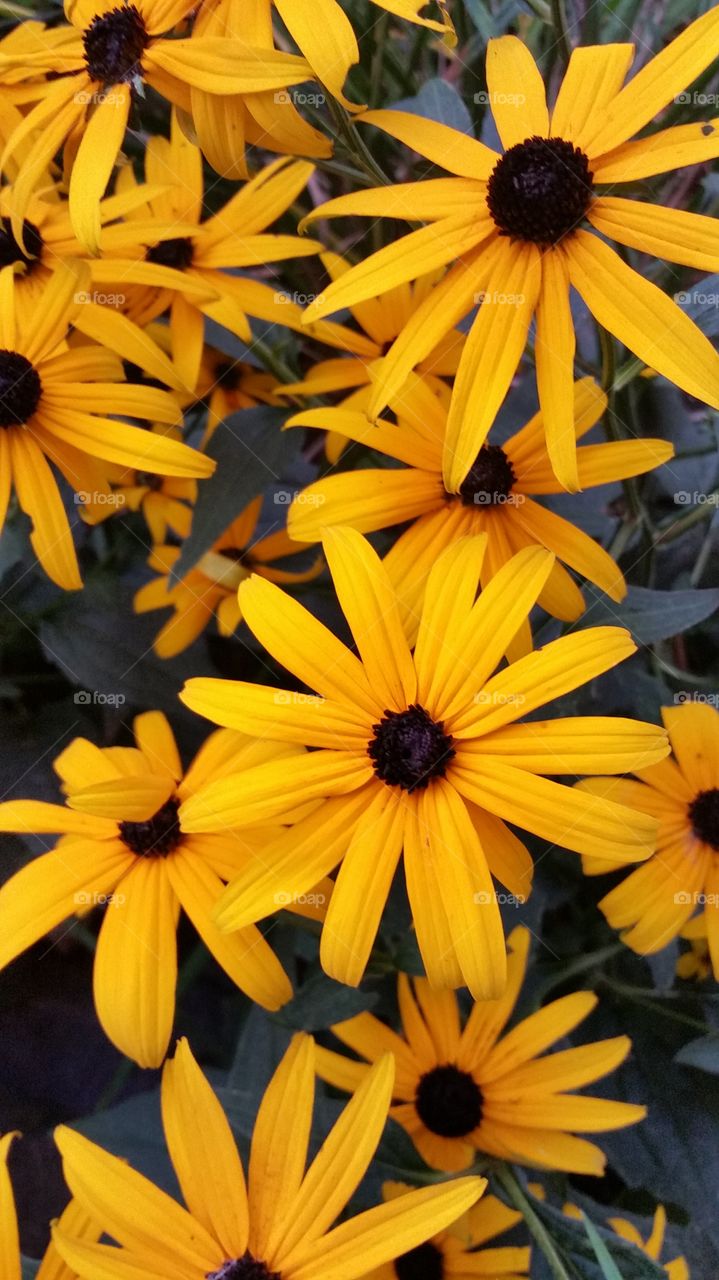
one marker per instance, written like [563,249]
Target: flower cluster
[395,493]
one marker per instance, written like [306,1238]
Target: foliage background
[58,651]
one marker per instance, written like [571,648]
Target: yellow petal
[516,92]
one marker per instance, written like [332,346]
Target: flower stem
[508,1179]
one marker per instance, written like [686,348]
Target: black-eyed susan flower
[325,36]
[521,227]
[653,1246]
[651,906]
[74,1220]
[98,66]
[459,1252]
[379,323]
[226,385]
[463,1089]
[123,846]
[54,403]
[277,1222]
[211,587]
[419,753]
[496,497]
[202,252]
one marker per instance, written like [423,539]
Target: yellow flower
[164,242]
[109,52]
[211,586]
[419,753]
[276,1223]
[460,1090]
[74,1220]
[653,1245]
[651,906]
[53,406]
[226,385]
[513,223]
[458,1252]
[379,322]
[323,32]
[495,497]
[124,846]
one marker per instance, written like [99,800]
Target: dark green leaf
[570,1236]
[438,100]
[320,1002]
[702,1053]
[251,451]
[650,615]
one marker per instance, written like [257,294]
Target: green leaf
[438,100]
[321,1002]
[702,1053]
[28,1268]
[650,615]
[250,450]
[609,1267]
[573,1241]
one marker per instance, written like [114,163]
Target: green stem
[677,527]
[653,1000]
[559,22]
[508,1179]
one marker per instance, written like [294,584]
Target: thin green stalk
[508,1179]
[559,22]
[653,1000]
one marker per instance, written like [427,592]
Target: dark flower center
[228,374]
[423,1263]
[449,1102]
[489,480]
[233,553]
[158,836]
[138,377]
[114,44]
[10,250]
[245,1268]
[20,389]
[409,748]
[704,817]
[177,253]
[540,190]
